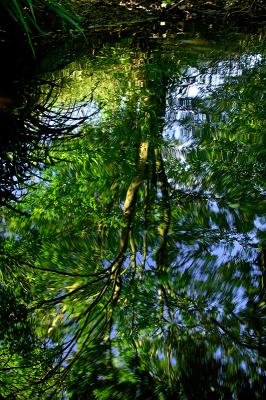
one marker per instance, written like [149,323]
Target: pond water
[133,232]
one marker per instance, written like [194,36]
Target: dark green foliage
[28,14]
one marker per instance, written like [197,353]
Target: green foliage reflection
[140,269]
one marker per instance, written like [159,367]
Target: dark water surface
[133,265]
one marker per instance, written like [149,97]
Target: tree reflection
[142,262]
[31,123]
